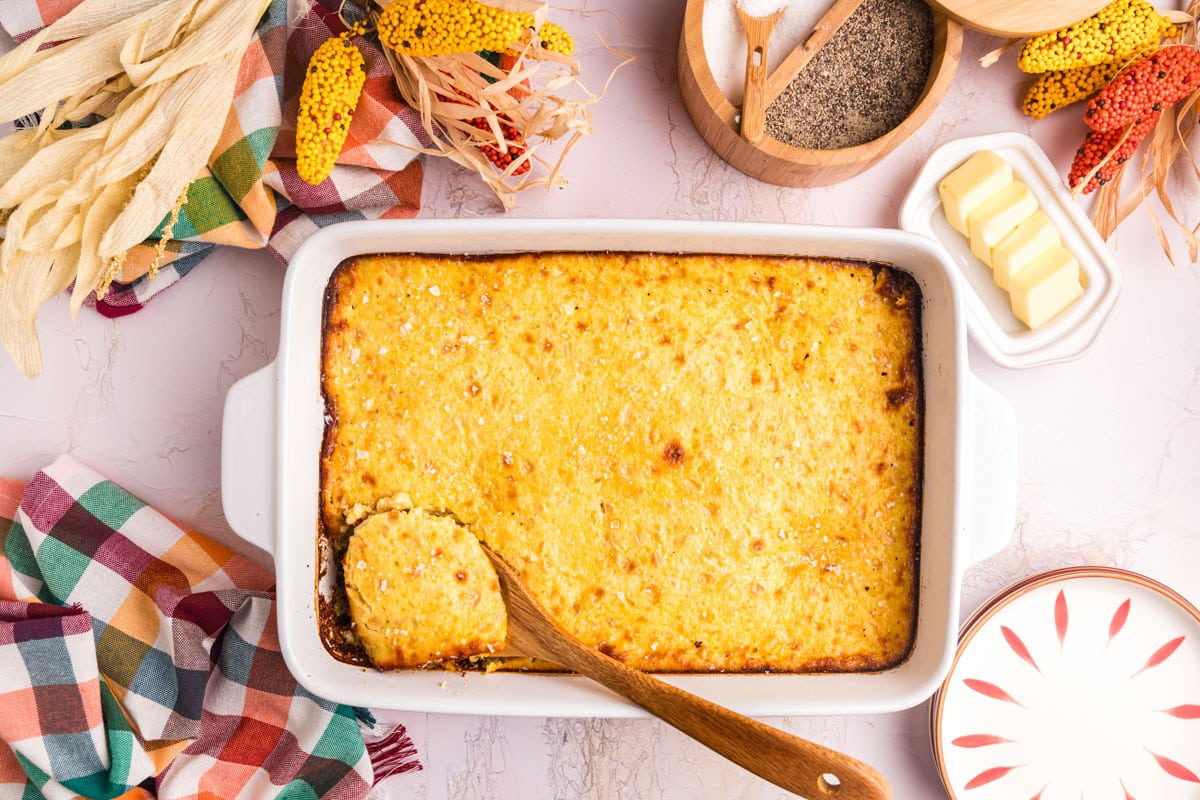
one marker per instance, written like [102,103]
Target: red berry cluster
[1145,88]
[1133,101]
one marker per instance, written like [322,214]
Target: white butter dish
[990,319]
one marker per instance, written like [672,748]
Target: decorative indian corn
[514,145]
[1101,145]
[556,39]
[332,86]
[1119,30]
[1060,88]
[1145,88]
[438,27]
[441,27]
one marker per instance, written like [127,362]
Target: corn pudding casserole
[696,462]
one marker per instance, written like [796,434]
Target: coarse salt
[725,39]
[761,8]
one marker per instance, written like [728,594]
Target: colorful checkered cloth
[140,659]
[250,195]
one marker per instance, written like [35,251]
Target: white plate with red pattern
[1080,684]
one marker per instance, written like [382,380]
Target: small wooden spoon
[754,105]
[800,766]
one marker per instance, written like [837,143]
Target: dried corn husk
[76,199]
[541,95]
[1168,146]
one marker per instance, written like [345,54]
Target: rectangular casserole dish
[274,422]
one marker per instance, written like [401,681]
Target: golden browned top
[696,462]
[421,590]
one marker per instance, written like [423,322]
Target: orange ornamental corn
[1100,145]
[332,86]
[1121,29]
[1059,88]
[1147,87]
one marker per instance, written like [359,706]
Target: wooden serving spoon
[754,104]
[800,766]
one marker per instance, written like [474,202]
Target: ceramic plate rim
[1008,595]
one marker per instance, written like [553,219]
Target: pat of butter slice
[997,216]
[1028,240]
[1045,287]
[972,182]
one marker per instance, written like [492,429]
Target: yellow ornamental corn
[1058,88]
[438,27]
[332,86]
[1116,32]
[556,39]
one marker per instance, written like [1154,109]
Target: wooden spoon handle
[754,102]
[800,766]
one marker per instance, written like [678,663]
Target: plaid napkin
[140,659]
[250,195]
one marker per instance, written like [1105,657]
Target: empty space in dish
[990,318]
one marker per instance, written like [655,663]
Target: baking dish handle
[993,463]
[248,458]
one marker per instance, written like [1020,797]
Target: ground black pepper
[862,83]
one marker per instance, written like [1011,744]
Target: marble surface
[1109,444]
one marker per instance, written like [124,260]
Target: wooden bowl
[776,162]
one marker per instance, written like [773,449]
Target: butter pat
[996,217]
[1028,240]
[974,181]
[1041,290]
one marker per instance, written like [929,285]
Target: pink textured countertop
[1109,443]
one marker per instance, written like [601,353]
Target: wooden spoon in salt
[758,18]
[806,768]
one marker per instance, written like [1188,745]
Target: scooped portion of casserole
[421,591]
[696,462]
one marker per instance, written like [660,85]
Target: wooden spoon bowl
[774,161]
[800,766]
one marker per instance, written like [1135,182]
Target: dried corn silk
[862,83]
[163,77]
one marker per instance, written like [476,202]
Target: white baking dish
[273,430]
